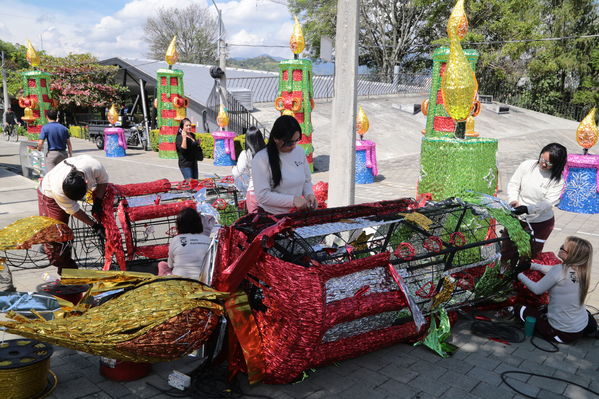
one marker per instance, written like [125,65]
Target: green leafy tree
[196,31]
[564,71]
[391,32]
[14,61]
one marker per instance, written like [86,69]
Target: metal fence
[557,108]
[240,118]
[264,89]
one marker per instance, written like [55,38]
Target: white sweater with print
[296,180]
[532,187]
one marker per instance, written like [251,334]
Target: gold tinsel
[103,330]
[31,230]
[296,42]
[172,55]
[32,57]
[587,132]
[459,85]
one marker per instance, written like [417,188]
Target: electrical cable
[504,380]
[554,350]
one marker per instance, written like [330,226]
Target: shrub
[76,131]
[207,143]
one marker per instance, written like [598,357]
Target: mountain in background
[270,63]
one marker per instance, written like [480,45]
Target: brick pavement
[400,371]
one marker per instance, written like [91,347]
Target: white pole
[342,186]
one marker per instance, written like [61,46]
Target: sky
[114,28]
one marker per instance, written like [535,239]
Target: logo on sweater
[183,241]
[298,163]
[573,276]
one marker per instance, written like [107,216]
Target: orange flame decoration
[222,118]
[113,115]
[362,122]
[296,42]
[587,132]
[32,57]
[459,85]
[172,56]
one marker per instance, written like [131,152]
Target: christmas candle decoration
[36,99]
[296,95]
[171,103]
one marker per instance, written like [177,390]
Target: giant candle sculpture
[581,172]
[170,101]
[295,95]
[452,164]
[36,98]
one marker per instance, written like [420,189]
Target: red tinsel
[321,192]
[153,187]
[159,251]
[523,295]
[157,211]
[114,244]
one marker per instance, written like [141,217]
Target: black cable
[503,379]
[555,348]
[504,331]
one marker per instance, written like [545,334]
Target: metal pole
[4,91]
[342,185]
[142,93]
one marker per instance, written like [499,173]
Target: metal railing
[265,88]
[553,107]
[240,118]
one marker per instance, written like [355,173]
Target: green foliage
[76,131]
[154,139]
[15,62]
[206,140]
[261,63]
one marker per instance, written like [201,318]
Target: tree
[196,30]
[15,61]
[79,82]
[391,32]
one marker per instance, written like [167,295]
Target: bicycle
[10,132]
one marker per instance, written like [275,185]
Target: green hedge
[76,131]
[207,143]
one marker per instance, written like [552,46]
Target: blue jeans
[190,173]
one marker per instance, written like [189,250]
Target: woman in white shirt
[280,172]
[566,318]
[188,250]
[535,188]
[242,172]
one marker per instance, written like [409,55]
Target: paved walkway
[400,371]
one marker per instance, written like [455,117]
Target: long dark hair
[558,155]
[283,129]
[254,140]
[189,222]
[181,124]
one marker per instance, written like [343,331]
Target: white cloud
[121,33]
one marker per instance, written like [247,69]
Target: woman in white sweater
[242,172]
[280,172]
[535,188]
[188,250]
[566,318]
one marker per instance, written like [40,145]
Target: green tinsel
[517,234]
[450,167]
[436,338]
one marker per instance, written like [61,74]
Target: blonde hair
[580,257]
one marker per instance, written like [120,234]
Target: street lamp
[220,48]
